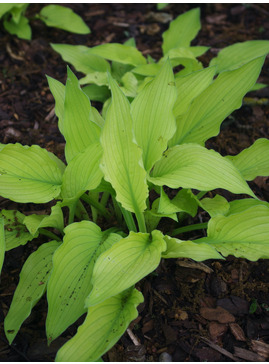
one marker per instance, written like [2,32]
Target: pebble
[165,357]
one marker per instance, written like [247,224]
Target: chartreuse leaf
[122,161]
[236,55]
[77,107]
[28,174]
[152,217]
[81,58]
[22,29]
[104,325]
[55,220]
[124,264]
[237,206]
[58,91]
[253,161]
[182,30]
[4,8]
[177,248]
[32,285]
[193,166]
[243,234]
[150,108]
[2,242]
[64,18]
[119,53]
[218,205]
[82,173]
[215,103]
[130,84]
[16,233]
[182,202]
[70,281]
[189,87]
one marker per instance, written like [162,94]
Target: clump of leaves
[15,21]
[132,70]
[153,142]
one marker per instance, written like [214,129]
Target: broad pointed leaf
[177,248]
[182,202]
[58,91]
[182,30]
[22,29]
[152,113]
[237,206]
[32,285]
[16,233]
[128,261]
[64,18]
[189,87]
[253,161]
[55,219]
[28,174]
[217,205]
[244,234]
[82,173]
[215,103]
[193,166]
[236,55]
[70,281]
[122,161]
[79,130]
[81,58]
[102,328]
[120,53]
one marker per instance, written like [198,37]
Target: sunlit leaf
[2,242]
[218,205]
[182,202]
[22,29]
[128,261]
[253,161]
[193,166]
[28,174]
[70,281]
[122,161]
[152,113]
[32,285]
[104,325]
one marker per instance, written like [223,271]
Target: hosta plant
[132,70]
[110,239]
[15,21]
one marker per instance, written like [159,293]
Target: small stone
[165,357]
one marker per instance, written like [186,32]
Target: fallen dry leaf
[237,331]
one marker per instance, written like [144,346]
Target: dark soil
[192,312]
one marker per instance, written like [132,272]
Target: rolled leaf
[104,325]
[128,261]
[79,130]
[215,103]
[253,161]
[70,281]
[152,113]
[122,161]
[28,174]
[193,166]
[32,285]
[58,91]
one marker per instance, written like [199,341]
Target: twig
[219,349]
[133,337]
[160,297]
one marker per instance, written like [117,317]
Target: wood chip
[194,265]
[219,349]
[237,331]
[260,348]
[247,354]
[217,314]
[216,330]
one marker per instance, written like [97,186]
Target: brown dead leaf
[237,331]
[217,314]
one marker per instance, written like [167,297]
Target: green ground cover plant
[111,237]
[132,70]
[15,22]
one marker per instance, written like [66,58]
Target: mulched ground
[216,311]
